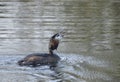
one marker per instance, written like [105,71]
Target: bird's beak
[62,33]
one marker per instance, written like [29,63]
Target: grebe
[38,59]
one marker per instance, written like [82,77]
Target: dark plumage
[38,59]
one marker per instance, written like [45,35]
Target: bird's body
[38,59]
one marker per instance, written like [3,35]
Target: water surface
[89,50]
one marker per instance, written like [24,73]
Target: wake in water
[73,67]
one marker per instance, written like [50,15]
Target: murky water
[89,51]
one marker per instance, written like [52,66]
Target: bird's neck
[50,52]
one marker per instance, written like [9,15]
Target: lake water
[89,51]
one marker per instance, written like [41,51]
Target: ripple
[72,66]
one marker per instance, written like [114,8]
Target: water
[89,51]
